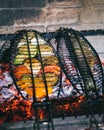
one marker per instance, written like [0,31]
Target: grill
[57,75]
[75,51]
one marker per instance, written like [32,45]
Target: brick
[46,16]
[24,16]
[33,3]
[6,17]
[98,1]
[59,16]
[65,3]
[6,4]
[92,14]
[16,4]
[22,3]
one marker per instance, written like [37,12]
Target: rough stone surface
[65,3]
[22,3]
[46,16]
[92,14]
[98,1]
[54,16]
[33,3]
[6,3]
[25,16]
[78,14]
[6,17]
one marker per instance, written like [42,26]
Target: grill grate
[33,49]
[75,51]
[77,88]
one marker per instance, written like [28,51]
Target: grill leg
[103,118]
[46,123]
[36,126]
[93,122]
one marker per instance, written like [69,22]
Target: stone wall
[49,15]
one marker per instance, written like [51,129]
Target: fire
[41,114]
[74,104]
[17,110]
[64,107]
[78,102]
[81,98]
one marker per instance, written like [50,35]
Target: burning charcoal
[6,93]
[5,78]
[57,76]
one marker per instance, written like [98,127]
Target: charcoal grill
[79,64]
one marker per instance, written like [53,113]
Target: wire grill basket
[80,62]
[55,75]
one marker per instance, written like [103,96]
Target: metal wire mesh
[76,62]
[76,52]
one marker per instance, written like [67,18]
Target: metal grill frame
[51,35]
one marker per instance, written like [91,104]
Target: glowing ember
[14,108]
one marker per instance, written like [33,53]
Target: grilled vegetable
[52,69]
[40,92]
[26,84]
[45,50]
[36,65]
[20,70]
[19,59]
[50,60]
[24,49]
